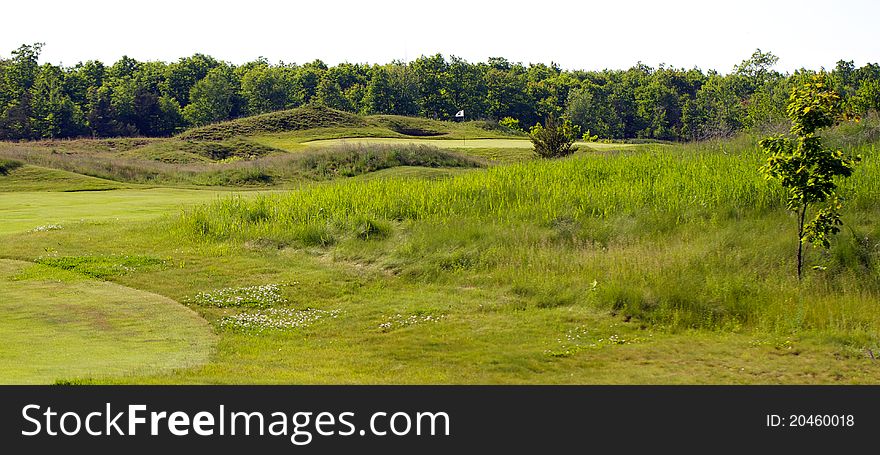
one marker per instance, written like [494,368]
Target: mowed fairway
[59,326]
[456,143]
[23,211]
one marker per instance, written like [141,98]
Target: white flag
[460,113]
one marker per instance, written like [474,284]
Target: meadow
[411,258]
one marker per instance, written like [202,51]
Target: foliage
[511,124]
[867,97]
[7,166]
[133,98]
[213,99]
[806,169]
[587,137]
[554,139]
[758,69]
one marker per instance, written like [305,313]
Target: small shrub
[590,137]
[7,166]
[511,124]
[554,140]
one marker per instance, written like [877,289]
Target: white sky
[575,34]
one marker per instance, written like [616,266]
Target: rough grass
[685,237]
[61,325]
[267,169]
[7,166]
[244,152]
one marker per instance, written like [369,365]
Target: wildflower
[251,296]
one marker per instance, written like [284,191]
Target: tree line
[135,98]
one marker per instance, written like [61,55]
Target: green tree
[54,114]
[265,89]
[805,167]
[758,69]
[182,75]
[101,118]
[329,94]
[717,110]
[466,88]
[214,98]
[391,90]
[507,91]
[19,75]
[379,97]
[589,108]
[554,140]
[307,79]
[867,97]
[431,77]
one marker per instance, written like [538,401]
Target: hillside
[258,151]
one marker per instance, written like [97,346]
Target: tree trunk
[800,251]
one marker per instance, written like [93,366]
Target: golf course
[349,252]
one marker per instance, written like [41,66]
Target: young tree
[554,140]
[805,167]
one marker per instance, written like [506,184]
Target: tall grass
[683,236]
[685,182]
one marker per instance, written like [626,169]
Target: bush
[7,166]
[554,140]
[511,124]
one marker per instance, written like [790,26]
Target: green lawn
[35,178]
[448,142]
[62,326]
[26,210]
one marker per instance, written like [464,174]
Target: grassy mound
[290,120]
[34,178]
[60,325]
[179,151]
[254,151]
